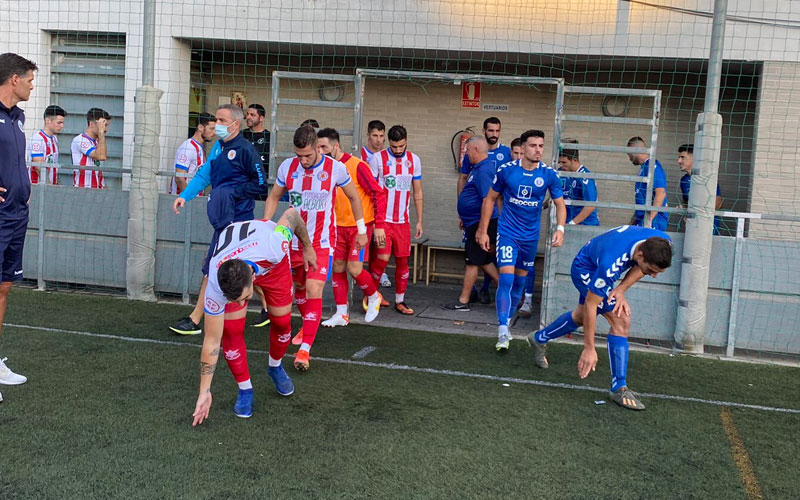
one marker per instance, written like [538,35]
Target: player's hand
[482,239]
[621,307]
[202,408]
[310,258]
[558,238]
[2,198]
[361,241]
[419,230]
[380,237]
[460,224]
[178,203]
[587,362]
[101,126]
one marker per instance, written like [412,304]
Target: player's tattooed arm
[207,368]
[291,218]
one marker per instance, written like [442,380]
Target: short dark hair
[259,109]
[204,118]
[492,119]
[233,276]
[530,133]
[657,251]
[516,143]
[397,133]
[686,148]
[95,114]
[375,125]
[53,110]
[572,154]
[14,64]
[636,140]
[304,136]
[328,133]
[310,123]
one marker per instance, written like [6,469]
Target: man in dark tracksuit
[16,83]
[237,177]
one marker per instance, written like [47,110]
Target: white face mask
[222,131]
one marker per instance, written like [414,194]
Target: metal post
[358,110]
[734,304]
[653,158]
[273,127]
[187,253]
[40,284]
[148,42]
[548,277]
[691,321]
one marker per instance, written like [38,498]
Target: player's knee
[354,268]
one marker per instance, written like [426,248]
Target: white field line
[363,353]
[432,371]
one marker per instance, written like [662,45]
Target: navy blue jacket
[13,172]
[237,177]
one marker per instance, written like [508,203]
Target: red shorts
[277,284]
[346,244]
[398,240]
[324,264]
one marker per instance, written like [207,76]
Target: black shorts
[474,255]
[12,239]
[211,248]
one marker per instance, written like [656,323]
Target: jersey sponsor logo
[322,176]
[260,140]
[523,203]
[538,182]
[310,201]
[212,306]
[390,182]
[524,192]
[231,154]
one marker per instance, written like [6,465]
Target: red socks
[280,332]
[311,319]
[233,346]
[365,283]
[340,289]
[377,270]
[401,274]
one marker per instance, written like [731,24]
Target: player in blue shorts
[598,265]
[658,220]
[523,185]
[574,189]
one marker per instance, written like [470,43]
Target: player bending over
[598,265]
[249,253]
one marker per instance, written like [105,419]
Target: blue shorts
[581,277]
[516,252]
[12,239]
[211,247]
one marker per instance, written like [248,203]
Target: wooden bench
[418,263]
[433,248]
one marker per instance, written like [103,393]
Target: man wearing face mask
[236,177]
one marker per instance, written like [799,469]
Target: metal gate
[561,117]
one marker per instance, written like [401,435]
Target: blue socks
[503,298]
[618,359]
[516,293]
[558,328]
[529,282]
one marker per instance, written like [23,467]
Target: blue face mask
[221,131]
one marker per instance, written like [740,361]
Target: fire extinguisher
[458,154]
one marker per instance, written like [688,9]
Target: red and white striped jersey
[188,159]
[43,147]
[261,243]
[396,175]
[312,191]
[82,147]
[366,154]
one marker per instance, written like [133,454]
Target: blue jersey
[475,190]
[13,171]
[602,261]
[523,192]
[237,177]
[580,189]
[499,155]
[686,183]
[659,181]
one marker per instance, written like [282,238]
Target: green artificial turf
[107,418]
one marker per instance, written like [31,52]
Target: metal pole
[148,42]
[691,319]
[737,266]
[273,127]
[41,285]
